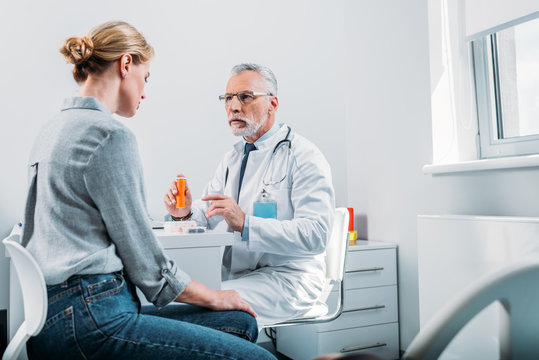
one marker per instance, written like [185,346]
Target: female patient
[86,225]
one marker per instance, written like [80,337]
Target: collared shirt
[86,208]
[267,135]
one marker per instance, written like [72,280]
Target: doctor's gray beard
[251,127]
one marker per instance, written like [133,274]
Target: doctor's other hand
[170,200]
[228,208]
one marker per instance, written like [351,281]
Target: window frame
[489,112]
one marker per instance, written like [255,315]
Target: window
[506,67]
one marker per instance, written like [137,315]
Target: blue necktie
[248,148]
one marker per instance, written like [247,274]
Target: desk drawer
[381,340]
[370,268]
[364,307]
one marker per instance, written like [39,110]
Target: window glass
[518,67]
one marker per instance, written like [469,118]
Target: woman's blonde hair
[103,45]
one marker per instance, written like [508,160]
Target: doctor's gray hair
[265,72]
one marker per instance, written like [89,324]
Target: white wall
[181,126]
[389,132]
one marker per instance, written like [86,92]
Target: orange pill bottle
[180,196]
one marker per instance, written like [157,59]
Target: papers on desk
[183,227]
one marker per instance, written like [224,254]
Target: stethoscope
[271,163]
[285,141]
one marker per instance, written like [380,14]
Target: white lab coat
[280,270]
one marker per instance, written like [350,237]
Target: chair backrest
[34,294]
[516,287]
[335,262]
[337,245]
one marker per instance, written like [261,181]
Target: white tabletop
[174,240]
[206,239]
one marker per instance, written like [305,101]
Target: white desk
[199,255]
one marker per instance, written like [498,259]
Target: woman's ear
[125,65]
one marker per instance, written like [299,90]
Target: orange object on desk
[351,221]
[180,196]
[352,234]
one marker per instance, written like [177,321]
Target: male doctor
[274,191]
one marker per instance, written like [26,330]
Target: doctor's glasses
[245,97]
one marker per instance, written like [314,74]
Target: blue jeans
[99,317]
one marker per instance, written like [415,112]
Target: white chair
[516,288]
[335,263]
[34,294]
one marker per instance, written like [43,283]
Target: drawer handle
[366,308]
[364,270]
[345,350]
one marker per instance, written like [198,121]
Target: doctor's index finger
[210,197]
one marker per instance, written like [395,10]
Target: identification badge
[265,207]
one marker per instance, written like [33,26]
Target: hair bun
[77,50]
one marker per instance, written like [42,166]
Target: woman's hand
[197,294]
[170,200]
[230,300]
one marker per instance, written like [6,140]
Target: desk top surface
[177,240]
[206,239]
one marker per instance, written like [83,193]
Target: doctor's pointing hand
[228,208]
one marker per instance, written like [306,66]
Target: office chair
[516,287]
[335,262]
[34,294]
